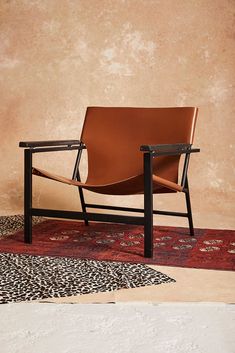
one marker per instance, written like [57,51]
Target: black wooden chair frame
[149,152]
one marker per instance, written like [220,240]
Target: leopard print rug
[11,224]
[27,277]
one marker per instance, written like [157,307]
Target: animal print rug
[11,224]
[29,277]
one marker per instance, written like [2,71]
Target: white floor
[117,328]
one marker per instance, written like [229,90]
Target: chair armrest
[32,144]
[52,146]
[169,150]
[166,148]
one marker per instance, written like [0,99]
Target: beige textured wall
[59,56]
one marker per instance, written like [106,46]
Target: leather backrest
[113,137]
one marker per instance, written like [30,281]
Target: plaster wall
[59,56]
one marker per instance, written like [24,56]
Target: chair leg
[148,206]
[27,196]
[76,176]
[189,210]
[83,204]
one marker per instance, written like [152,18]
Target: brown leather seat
[113,137]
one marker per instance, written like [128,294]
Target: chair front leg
[28,196]
[148,206]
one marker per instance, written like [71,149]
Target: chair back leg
[83,204]
[76,176]
[189,210]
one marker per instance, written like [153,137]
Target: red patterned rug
[209,249]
